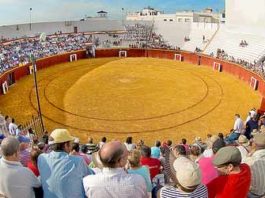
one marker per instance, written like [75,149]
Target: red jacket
[231,186]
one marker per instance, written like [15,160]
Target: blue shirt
[155,152]
[143,171]
[62,175]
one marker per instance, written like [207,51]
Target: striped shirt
[257,163]
[172,192]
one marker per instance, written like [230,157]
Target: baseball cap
[225,155]
[60,136]
[188,174]
[23,139]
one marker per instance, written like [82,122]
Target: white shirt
[257,164]
[16,180]
[130,147]
[12,128]
[239,126]
[243,151]
[208,153]
[115,183]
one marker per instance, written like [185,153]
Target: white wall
[245,15]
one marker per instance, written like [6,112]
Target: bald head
[9,146]
[111,153]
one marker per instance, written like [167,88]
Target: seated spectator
[139,144]
[12,127]
[91,146]
[136,168]
[129,144]
[256,161]
[195,153]
[208,152]
[251,125]
[45,137]
[207,168]
[234,179]
[24,150]
[60,171]
[155,150]
[113,181]
[15,180]
[153,163]
[32,165]
[189,182]
[102,142]
[237,130]
[184,143]
[243,146]
[76,151]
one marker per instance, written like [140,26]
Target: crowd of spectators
[253,66]
[17,52]
[58,165]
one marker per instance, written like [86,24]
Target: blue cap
[23,139]
[2,136]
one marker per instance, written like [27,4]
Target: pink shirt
[208,170]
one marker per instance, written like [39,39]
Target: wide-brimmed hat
[60,136]
[243,140]
[188,174]
[259,139]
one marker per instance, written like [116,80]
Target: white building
[150,14]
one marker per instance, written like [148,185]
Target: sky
[18,11]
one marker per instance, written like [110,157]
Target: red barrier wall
[190,57]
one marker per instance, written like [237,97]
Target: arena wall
[194,58]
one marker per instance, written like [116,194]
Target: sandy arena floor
[148,99]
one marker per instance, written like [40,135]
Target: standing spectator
[234,179]
[33,164]
[136,168]
[189,183]
[153,163]
[257,163]
[24,150]
[102,142]
[15,180]
[12,127]
[129,144]
[113,181]
[61,173]
[155,150]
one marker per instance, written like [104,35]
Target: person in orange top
[234,178]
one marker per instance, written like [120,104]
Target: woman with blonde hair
[136,168]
